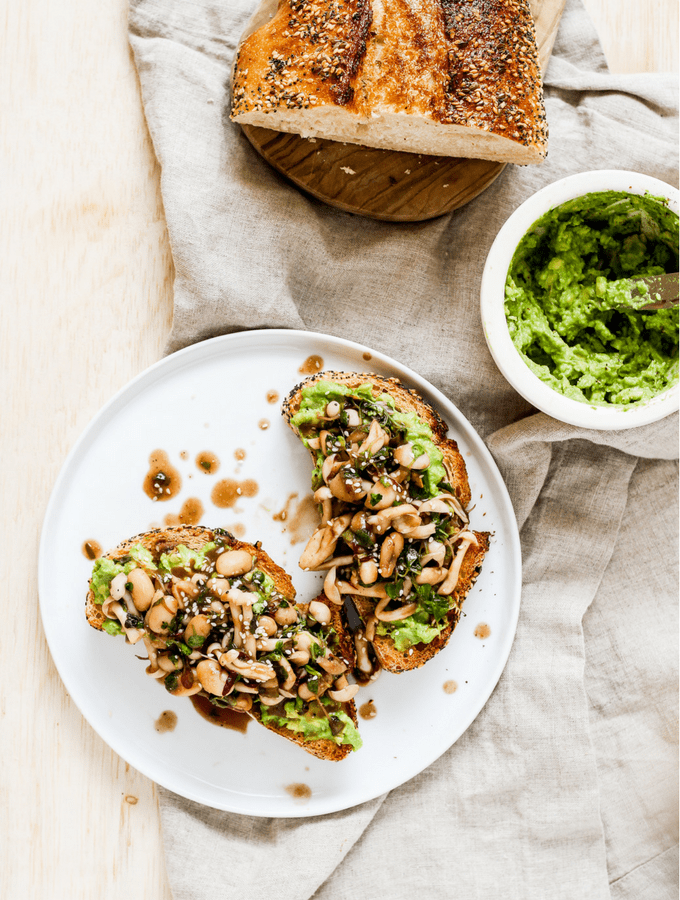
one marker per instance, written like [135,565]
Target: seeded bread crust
[436,77]
[165,540]
[406,400]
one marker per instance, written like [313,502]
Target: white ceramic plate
[213,396]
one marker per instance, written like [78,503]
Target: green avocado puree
[312,725]
[562,285]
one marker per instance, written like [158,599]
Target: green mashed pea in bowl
[551,296]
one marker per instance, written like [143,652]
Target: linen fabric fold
[563,784]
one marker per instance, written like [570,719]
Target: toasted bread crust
[407,400]
[164,540]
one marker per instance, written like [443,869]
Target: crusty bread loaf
[166,540]
[406,400]
[440,77]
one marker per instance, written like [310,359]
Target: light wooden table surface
[85,304]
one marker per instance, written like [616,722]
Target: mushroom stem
[377,590]
[394,615]
[451,580]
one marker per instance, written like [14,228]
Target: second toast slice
[218,618]
[395,536]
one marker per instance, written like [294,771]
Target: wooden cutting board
[386,184]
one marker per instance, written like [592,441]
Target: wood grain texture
[86,304]
[384,184]
[637,35]
[85,290]
[378,184]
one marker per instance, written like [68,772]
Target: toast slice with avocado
[395,536]
[219,618]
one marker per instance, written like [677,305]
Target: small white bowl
[495,324]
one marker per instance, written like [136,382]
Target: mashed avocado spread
[561,293]
[313,724]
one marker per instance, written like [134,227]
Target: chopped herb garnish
[218,701]
[365,538]
[394,589]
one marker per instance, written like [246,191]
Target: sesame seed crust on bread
[444,77]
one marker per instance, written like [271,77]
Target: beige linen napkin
[564,785]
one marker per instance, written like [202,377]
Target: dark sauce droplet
[301,792]
[222,716]
[191,513]
[303,520]
[239,454]
[166,721]
[311,365]
[367,356]
[272,396]
[207,462]
[225,493]
[228,491]
[91,550]
[162,481]
[283,514]
[368,710]
[263,424]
